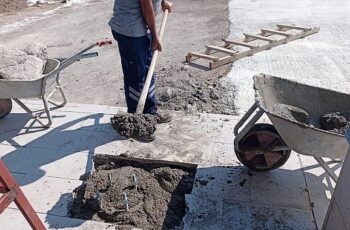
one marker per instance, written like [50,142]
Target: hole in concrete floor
[135,193]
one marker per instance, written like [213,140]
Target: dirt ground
[10,6]
[134,196]
[191,25]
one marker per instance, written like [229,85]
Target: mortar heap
[134,125]
[24,65]
[134,196]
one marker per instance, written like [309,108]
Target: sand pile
[134,197]
[27,64]
[134,125]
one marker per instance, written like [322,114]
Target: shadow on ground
[226,196]
[60,142]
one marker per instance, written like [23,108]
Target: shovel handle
[143,97]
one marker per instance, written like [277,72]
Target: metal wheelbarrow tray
[263,147]
[38,88]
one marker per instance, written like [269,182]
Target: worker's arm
[148,14]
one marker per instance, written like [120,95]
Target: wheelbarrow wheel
[255,149]
[5,107]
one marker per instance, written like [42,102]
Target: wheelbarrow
[39,88]
[264,147]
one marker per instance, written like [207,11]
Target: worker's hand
[156,44]
[167,5]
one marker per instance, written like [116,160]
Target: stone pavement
[47,164]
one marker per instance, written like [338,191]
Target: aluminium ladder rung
[240,44]
[205,56]
[276,32]
[293,27]
[259,37]
[221,49]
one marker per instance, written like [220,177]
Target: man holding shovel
[134,28]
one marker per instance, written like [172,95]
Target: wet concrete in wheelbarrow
[337,122]
[135,195]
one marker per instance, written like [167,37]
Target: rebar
[126,202]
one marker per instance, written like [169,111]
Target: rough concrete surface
[155,197]
[22,65]
[134,125]
[192,24]
[320,60]
[49,163]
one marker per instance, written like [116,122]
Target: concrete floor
[321,60]
[48,163]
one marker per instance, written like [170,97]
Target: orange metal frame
[12,192]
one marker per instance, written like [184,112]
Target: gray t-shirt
[128,19]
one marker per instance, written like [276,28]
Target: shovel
[143,97]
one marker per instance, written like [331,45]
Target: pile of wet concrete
[134,125]
[135,195]
[337,122]
[26,64]
[192,93]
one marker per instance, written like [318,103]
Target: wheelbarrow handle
[104,42]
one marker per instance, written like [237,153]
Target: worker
[134,28]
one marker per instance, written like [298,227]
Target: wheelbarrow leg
[249,125]
[59,88]
[35,116]
[327,168]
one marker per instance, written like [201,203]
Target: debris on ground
[192,94]
[292,113]
[335,122]
[134,196]
[22,65]
[11,6]
[134,125]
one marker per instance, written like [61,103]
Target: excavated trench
[135,193]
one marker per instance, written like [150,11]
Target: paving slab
[50,222]
[48,194]
[48,163]
[223,214]
[53,163]
[222,183]
[320,185]
[280,188]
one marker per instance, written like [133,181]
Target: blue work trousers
[136,56]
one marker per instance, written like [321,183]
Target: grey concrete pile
[26,64]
